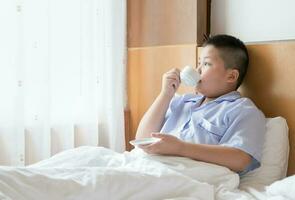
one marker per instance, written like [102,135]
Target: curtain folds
[62,77]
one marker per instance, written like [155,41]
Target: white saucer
[144,141]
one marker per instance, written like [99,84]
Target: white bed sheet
[99,173]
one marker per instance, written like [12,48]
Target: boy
[216,125]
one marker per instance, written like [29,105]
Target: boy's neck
[208,99]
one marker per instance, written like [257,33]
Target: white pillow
[284,188]
[274,162]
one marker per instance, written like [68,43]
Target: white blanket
[99,173]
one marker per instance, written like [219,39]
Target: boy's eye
[207,64]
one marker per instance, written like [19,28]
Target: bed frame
[270,81]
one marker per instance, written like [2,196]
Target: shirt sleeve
[246,132]
[174,101]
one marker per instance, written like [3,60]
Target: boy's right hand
[170,82]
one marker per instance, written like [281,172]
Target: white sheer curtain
[62,70]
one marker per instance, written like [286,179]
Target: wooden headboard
[270,81]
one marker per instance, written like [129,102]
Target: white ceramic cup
[189,76]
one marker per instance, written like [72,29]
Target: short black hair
[233,52]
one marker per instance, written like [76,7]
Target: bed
[99,173]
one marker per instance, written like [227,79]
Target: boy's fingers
[174,70]
[158,135]
[142,146]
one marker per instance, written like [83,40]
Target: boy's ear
[233,75]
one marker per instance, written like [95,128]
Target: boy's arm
[233,158]
[153,119]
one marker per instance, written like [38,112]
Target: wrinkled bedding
[100,173]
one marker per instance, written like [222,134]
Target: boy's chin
[197,91]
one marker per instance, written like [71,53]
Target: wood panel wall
[162,34]
[166,22]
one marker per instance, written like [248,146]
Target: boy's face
[215,78]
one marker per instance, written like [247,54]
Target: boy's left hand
[168,145]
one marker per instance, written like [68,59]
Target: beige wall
[254,21]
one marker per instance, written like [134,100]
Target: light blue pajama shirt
[230,120]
